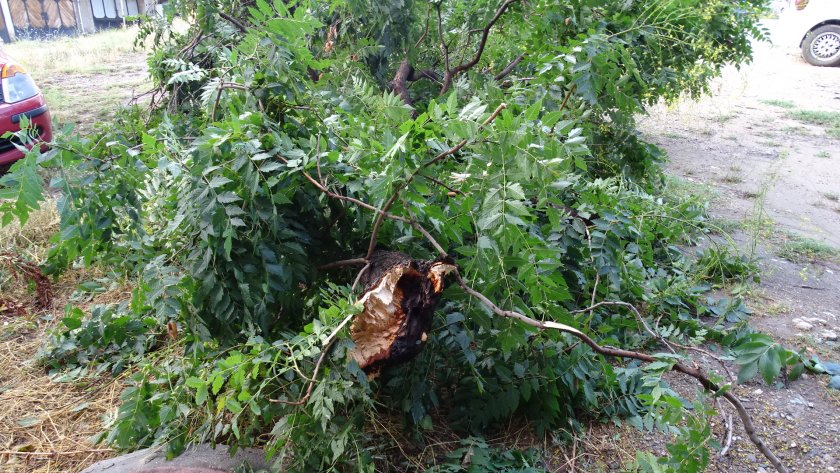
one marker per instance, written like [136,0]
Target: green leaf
[218,181]
[71,322]
[534,110]
[218,381]
[747,372]
[769,365]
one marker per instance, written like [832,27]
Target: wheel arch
[831,21]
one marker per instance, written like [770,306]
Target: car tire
[821,46]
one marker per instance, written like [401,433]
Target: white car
[815,24]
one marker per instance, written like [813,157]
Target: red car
[19,97]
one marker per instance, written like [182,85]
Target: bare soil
[774,180]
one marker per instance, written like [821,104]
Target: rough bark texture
[399,301]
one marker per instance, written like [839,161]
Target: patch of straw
[46,426]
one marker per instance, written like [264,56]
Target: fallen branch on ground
[694,372]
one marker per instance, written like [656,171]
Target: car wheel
[821,46]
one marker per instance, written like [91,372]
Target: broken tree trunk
[400,298]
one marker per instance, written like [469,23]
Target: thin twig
[729,430]
[359,277]
[450,189]
[443,47]
[333,195]
[54,454]
[485,33]
[234,22]
[342,263]
[328,343]
[426,29]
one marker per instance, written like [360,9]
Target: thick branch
[485,33]
[509,68]
[343,263]
[398,84]
[430,74]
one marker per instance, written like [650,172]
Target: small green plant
[720,264]
[724,118]
[832,196]
[732,178]
[823,154]
[779,103]
[830,120]
[800,249]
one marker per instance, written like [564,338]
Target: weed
[724,118]
[799,130]
[779,103]
[723,264]
[799,249]
[778,308]
[732,178]
[832,196]
[724,225]
[823,154]
[828,119]
[689,187]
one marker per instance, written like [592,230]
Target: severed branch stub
[400,298]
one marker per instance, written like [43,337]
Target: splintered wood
[399,301]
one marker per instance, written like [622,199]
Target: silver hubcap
[826,46]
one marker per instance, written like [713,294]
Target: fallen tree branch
[378,223]
[695,373]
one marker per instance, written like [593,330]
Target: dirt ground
[774,179]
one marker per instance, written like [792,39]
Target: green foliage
[110,339]
[243,178]
[474,455]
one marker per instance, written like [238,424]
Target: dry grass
[85,78]
[74,55]
[31,239]
[45,426]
